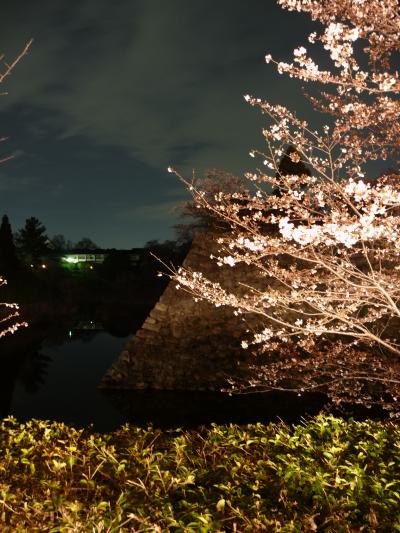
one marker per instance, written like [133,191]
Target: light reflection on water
[57,379]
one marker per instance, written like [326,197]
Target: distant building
[81,256]
[96,257]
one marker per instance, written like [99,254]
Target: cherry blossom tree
[324,240]
[9,315]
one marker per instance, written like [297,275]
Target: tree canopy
[32,241]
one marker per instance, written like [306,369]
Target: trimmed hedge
[326,475]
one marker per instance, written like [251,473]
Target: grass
[324,475]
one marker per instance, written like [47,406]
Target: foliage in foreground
[326,474]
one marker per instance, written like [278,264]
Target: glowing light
[70,259]
[44,266]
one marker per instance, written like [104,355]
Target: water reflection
[88,325]
[55,377]
[27,367]
[33,371]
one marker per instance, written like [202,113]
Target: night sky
[112,93]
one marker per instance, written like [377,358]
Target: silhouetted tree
[8,256]
[86,244]
[32,240]
[60,244]
[197,219]
[156,253]
[292,165]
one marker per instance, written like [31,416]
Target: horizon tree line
[31,244]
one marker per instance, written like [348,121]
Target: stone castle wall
[185,344]
[190,345]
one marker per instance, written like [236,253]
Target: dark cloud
[114,92]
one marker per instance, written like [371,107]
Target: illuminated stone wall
[184,344]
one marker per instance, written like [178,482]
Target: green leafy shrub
[326,475]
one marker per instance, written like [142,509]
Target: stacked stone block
[184,344]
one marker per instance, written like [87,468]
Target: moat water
[57,378]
